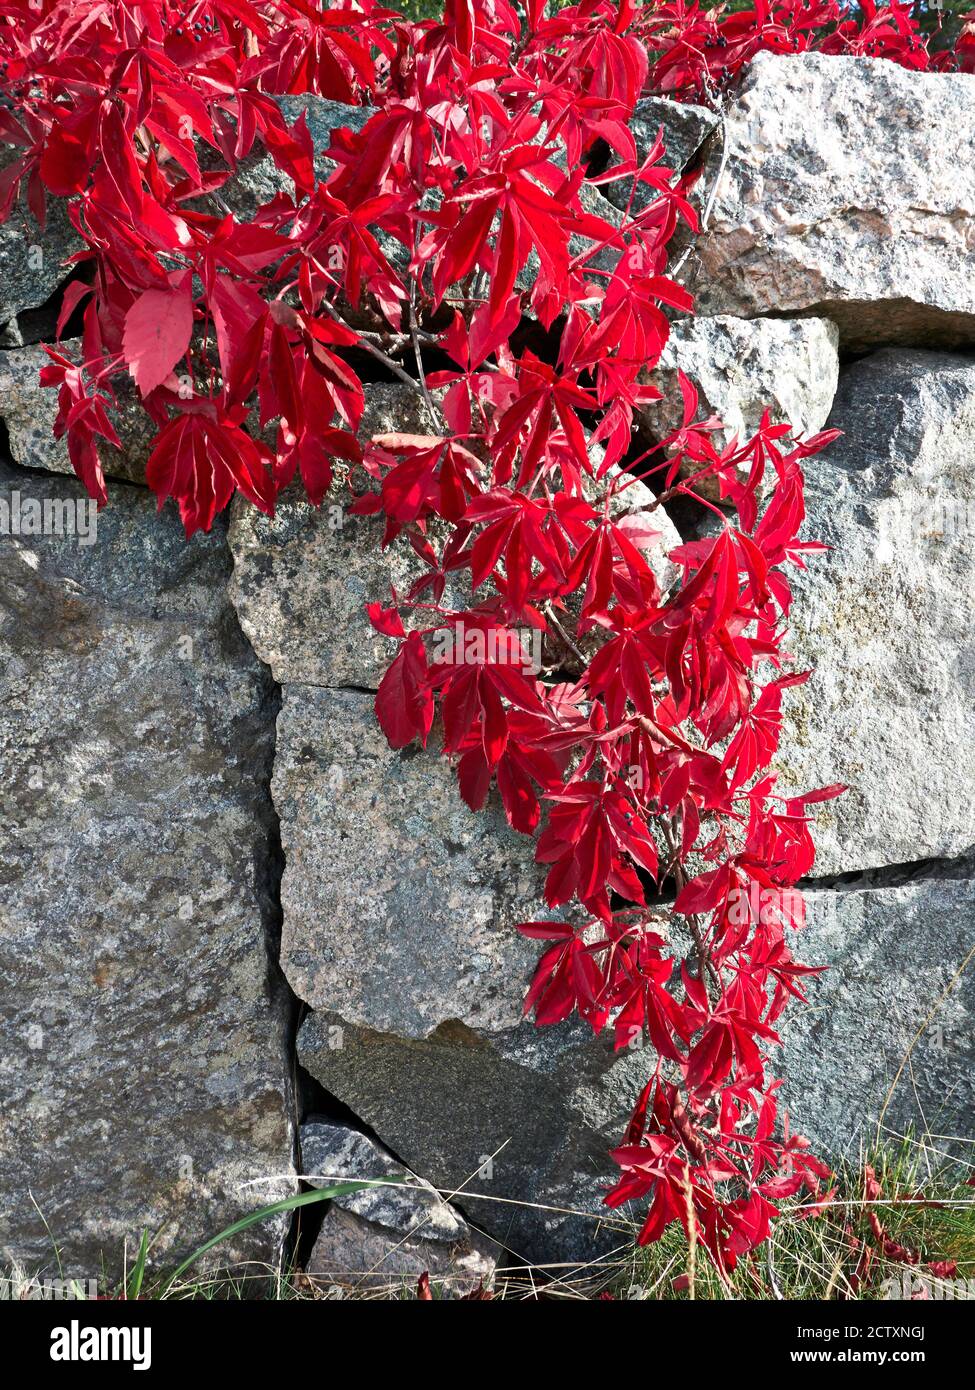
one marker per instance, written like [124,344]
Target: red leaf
[404,705]
[201,462]
[65,164]
[386,620]
[158,327]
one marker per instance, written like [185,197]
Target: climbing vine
[453,233]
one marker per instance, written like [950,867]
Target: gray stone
[849,191]
[880,1010]
[685,129]
[323,117]
[399,912]
[383,1238]
[301,581]
[741,367]
[29,410]
[143,1055]
[517,1123]
[886,617]
[32,266]
[378,841]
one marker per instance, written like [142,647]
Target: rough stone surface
[399,911]
[892,954]
[323,117]
[384,1237]
[29,411]
[301,581]
[849,191]
[143,1062]
[386,870]
[886,618]
[685,129]
[741,367]
[31,268]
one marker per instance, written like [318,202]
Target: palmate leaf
[157,333]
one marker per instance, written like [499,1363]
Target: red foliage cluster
[457,212]
[698,51]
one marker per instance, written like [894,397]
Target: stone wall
[216,878]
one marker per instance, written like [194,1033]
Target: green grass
[927,1207]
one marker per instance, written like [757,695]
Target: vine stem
[560,630]
[373,350]
[432,410]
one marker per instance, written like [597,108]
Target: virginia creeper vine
[430,241]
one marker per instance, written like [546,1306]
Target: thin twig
[415,335]
[375,351]
[560,630]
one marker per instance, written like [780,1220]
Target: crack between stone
[306,1096]
[935,330]
[306,1223]
[342,689]
[354,689]
[112,479]
[269,873]
[956,869]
